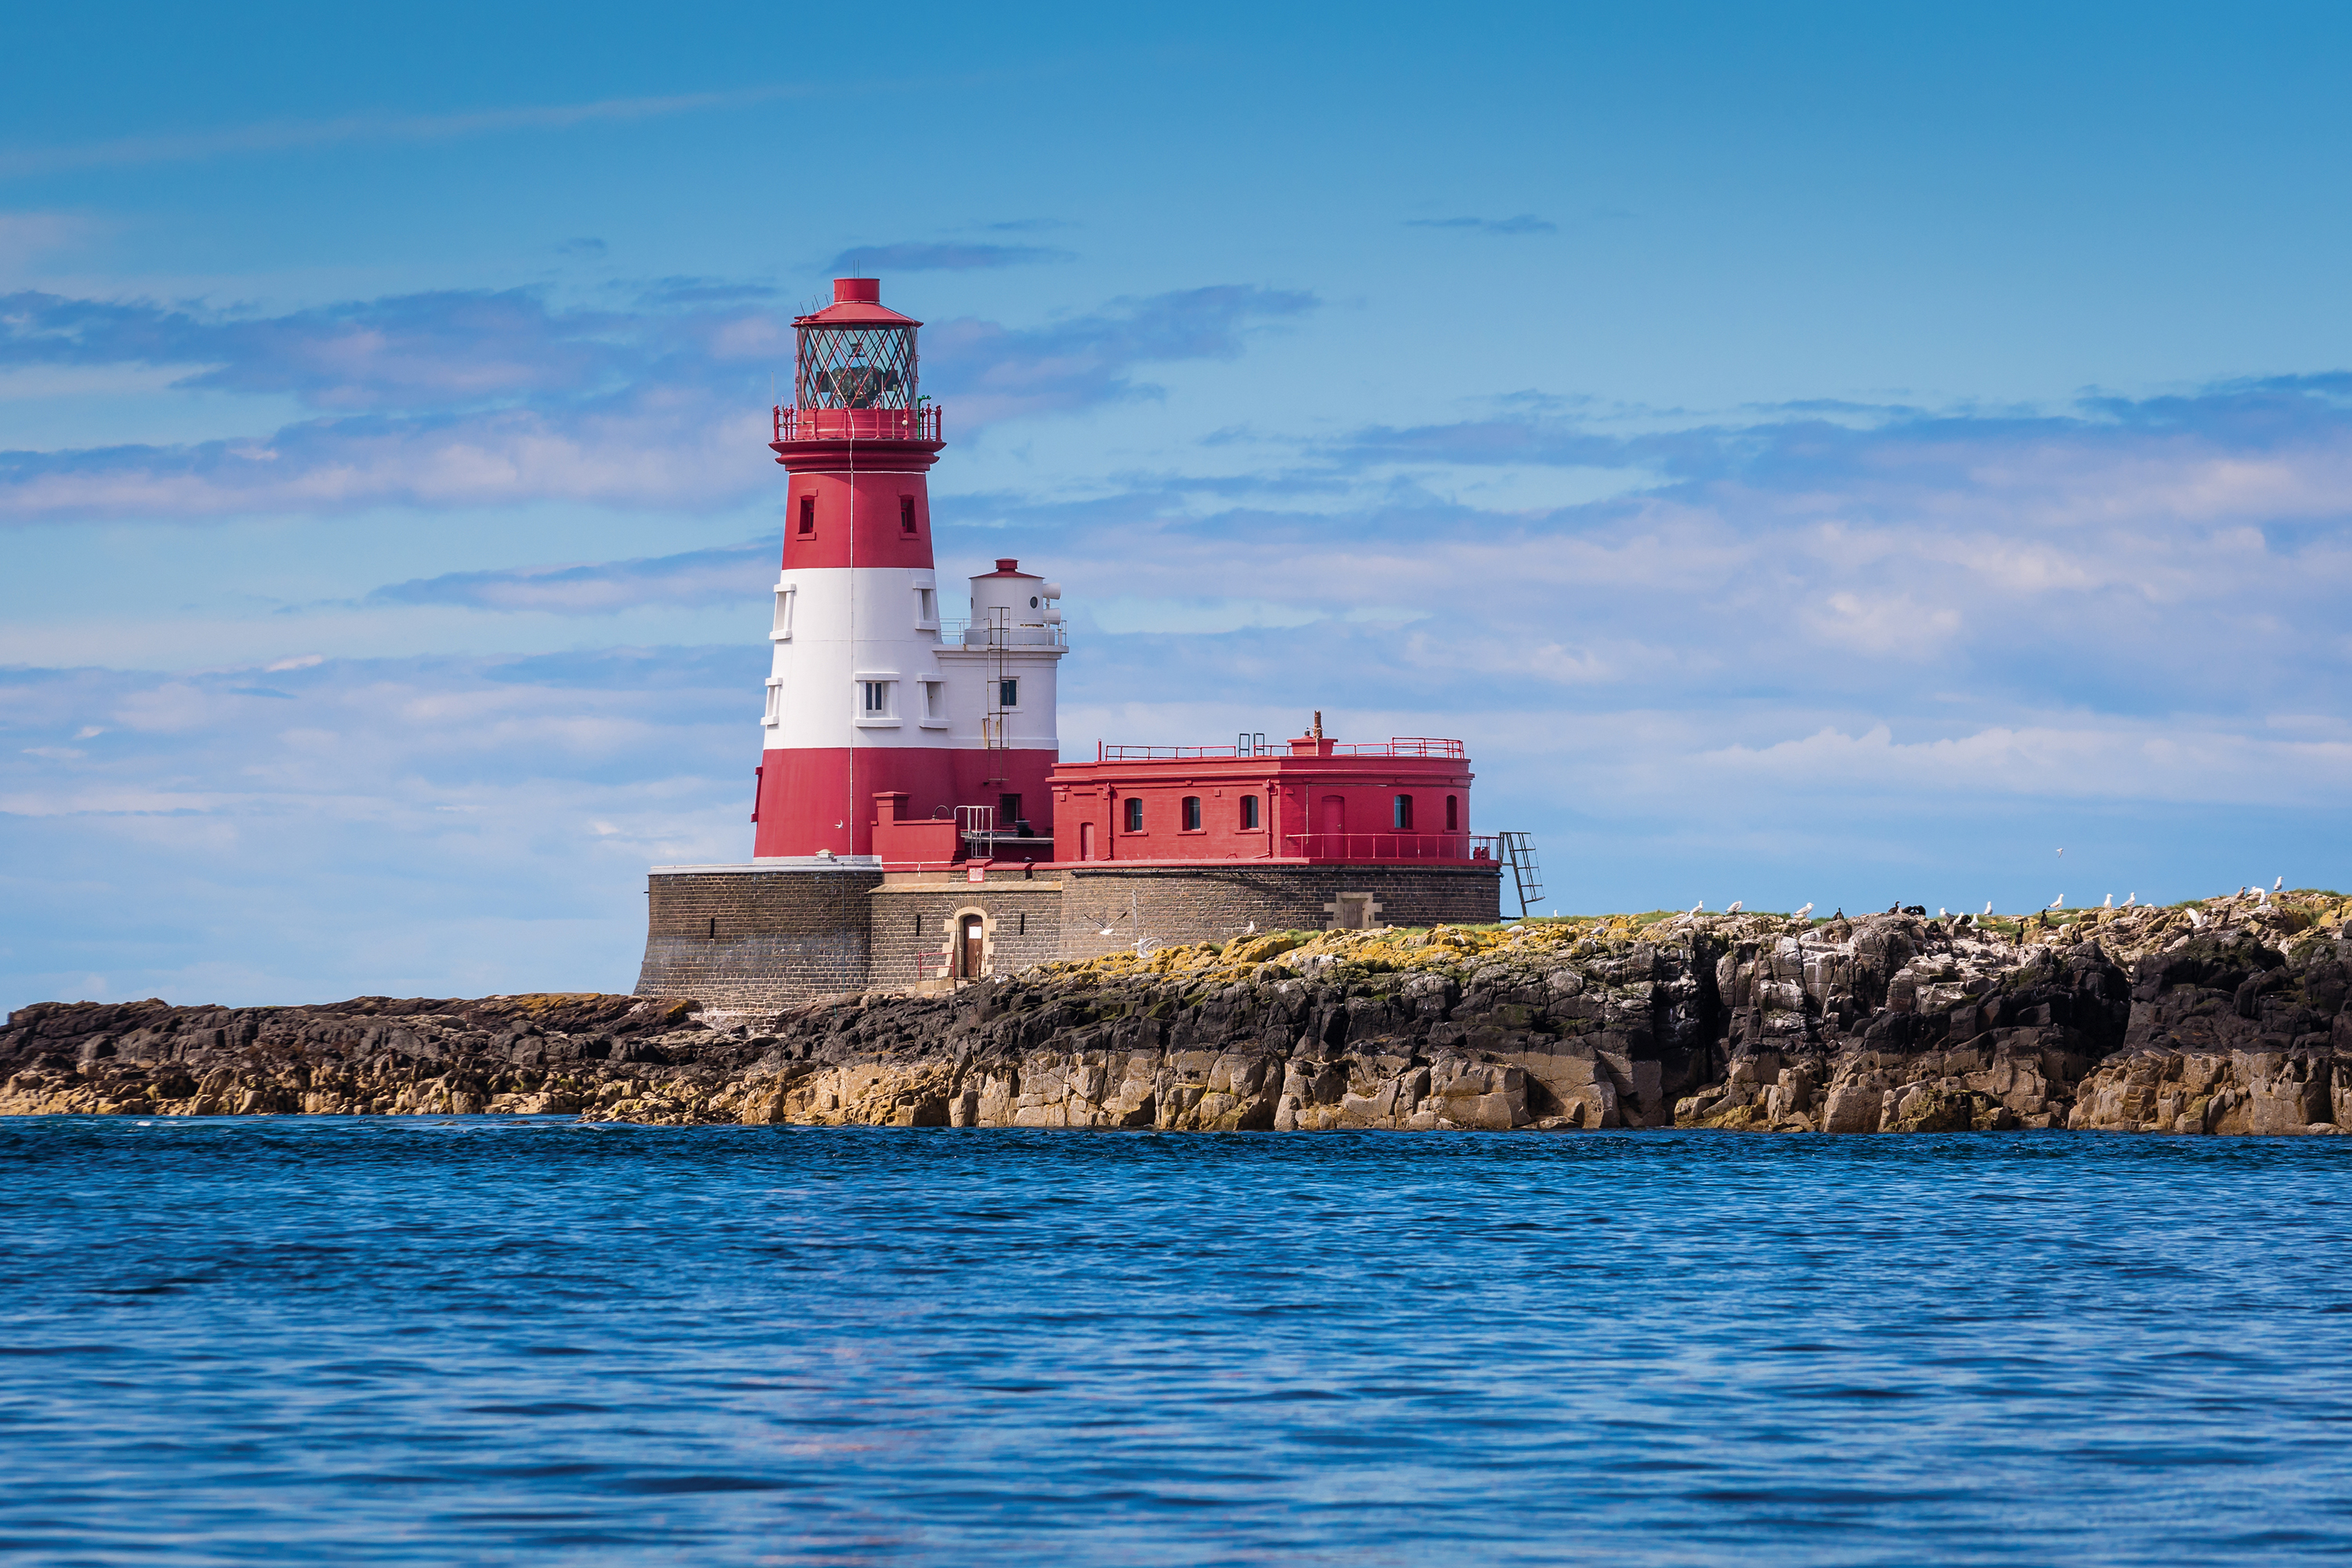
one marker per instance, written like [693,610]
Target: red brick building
[1309,801]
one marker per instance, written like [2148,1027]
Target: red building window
[1135,814]
[808,516]
[1404,813]
[1453,814]
[906,516]
[1249,813]
[1191,814]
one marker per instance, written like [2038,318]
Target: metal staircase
[1519,850]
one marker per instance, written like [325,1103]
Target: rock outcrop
[2227,1017]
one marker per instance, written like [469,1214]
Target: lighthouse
[878,704]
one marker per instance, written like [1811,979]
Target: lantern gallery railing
[1473,848]
[859,424]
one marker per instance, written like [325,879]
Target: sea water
[492,1340]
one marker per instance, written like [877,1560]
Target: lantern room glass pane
[855,367]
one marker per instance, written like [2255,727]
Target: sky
[1824,453]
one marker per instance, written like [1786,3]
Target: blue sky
[1831,453]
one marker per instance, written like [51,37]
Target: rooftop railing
[1396,746]
[987,634]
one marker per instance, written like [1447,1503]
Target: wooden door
[974,948]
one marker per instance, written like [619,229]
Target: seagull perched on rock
[2059,902]
[1806,911]
[2130,899]
[1941,912]
[1988,906]
[2110,903]
[1734,907]
[2279,884]
[2262,895]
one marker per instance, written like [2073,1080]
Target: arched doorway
[972,946]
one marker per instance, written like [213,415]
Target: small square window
[876,697]
[1191,814]
[1135,814]
[1008,694]
[1249,812]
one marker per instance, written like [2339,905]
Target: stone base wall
[915,927]
[753,937]
[1193,903]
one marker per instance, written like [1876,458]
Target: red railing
[859,424]
[1475,848]
[1398,746]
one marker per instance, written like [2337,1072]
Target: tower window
[1453,813]
[1008,812]
[933,709]
[1249,812]
[906,516]
[927,607]
[875,698]
[1191,814]
[1135,814]
[808,516]
[1403,812]
[1008,694]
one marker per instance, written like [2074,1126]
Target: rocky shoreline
[2228,1016]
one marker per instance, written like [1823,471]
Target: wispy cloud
[731,574]
[918,256]
[462,399]
[287,135]
[1526,223]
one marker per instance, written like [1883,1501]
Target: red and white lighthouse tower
[871,692]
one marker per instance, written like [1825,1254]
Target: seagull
[2279,884]
[1106,930]
[2262,895]
[1941,912]
[2110,903]
[1806,911]
[2196,918]
[1732,907]
[1988,906]
[1251,930]
[2130,899]
[2059,902]
[2062,850]
[1696,908]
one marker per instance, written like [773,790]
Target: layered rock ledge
[2224,1016]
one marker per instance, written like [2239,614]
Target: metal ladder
[1520,849]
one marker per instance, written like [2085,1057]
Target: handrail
[859,424]
[1477,848]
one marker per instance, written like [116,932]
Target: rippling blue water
[488,1341]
